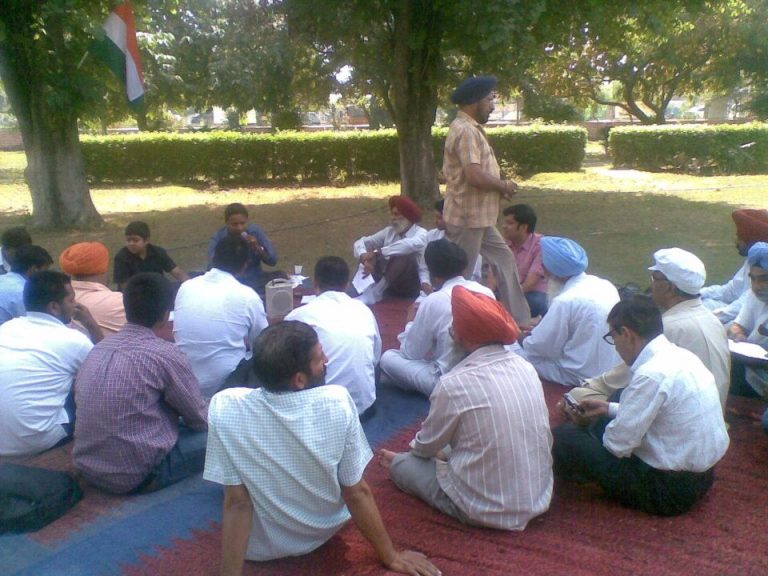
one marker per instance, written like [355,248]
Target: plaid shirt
[465,205]
[130,392]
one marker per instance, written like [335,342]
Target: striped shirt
[465,205]
[490,410]
[130,392]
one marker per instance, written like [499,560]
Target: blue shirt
[11,296]
[252,274]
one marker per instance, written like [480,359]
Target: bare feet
[386,457]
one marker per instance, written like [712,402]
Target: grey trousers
[418,477]
[488,243]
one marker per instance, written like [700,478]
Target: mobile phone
[572,403]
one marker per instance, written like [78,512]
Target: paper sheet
[361,283]
[748,349]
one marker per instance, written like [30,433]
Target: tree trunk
[417,36]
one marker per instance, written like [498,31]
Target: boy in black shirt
[139,255]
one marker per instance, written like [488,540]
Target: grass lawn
[619,216]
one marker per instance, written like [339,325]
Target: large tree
[41,44]
[409,52]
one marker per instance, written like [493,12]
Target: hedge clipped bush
[233,157]
[723,149]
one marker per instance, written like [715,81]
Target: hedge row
[722,149]
[297,156]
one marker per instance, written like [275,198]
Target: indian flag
[118,50]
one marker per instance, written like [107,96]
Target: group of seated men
[274,413]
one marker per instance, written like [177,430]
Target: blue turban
[758,255]
[563,257]
[473,90]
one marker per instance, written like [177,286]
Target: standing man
[474,188]
[482,455]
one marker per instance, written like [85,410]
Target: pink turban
[85,259]
[406,207]
[480,319]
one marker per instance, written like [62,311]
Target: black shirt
[128,264]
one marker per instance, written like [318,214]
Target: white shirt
[293,452]
[753,314]
[570,335]
[436,234]
[670,415]
[390,243]
[490,410]
[350,338]
[730,291]
[428,333]
[214,318]
[39,358]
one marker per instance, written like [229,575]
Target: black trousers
[579,455]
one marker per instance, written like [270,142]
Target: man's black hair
[29,256]
[445,259]
[140,229]
[523,214]
[147,297]
[235,208]
[639,314]
[440,205]
[15,237]
[331,273]
[281,351]
[231,254]
[45,287]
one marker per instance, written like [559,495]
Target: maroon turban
[85,259]
[406,207]
[751,225]
[480,319]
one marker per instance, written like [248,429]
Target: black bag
[31,498]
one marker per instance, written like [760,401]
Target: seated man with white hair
[566,346]
[676,279]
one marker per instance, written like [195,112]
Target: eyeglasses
[609,336]
[655,279]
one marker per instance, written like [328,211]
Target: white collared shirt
[390,243]
[39,358]
[428,333]
[435,234]
[215,322]
[570,335]
[670,414]
[731,290]
[350,338]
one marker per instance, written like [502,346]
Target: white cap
[682,268]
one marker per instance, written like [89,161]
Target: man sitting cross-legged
[676,278]
[39,358]
[665,435]
[347,330]
[565,347]
[391,256]
[130,392]
[216,318]
[88,262]
[483,453]
[427,350]
[291,456]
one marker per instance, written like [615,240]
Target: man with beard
[291,456]
[39,359]
[473,189]
[726,300]
[482,455]
[427,350]
[391,256]
[751,324]
[566,347]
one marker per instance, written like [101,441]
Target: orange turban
[751,225]
[85,259]
[406,207]
[480,319]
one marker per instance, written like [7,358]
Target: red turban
[751,225]
[85,259]
[406,207]
[480,319]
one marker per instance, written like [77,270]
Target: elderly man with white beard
[391,256]
[566,346]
